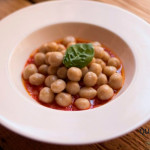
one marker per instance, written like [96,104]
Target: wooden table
[132,141]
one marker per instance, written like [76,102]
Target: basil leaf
[78,55]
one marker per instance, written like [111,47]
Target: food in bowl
[73,74]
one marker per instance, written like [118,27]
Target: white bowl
[124,33]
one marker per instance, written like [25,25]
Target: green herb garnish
[78,55]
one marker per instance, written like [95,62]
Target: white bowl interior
[23,50]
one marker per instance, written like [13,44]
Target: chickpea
[63,99]
[68,39]
[87,92]
[90,79]
[50,79]
[44,48]
[70,44]
[105,92]
[58,86]
[61,47]
[93,61]
[39,59]
[73,87]
[43,69]
[63,52]
[74,74]
[96,43]
[102,79]
[46,58]
[96,68]
[101,62]
[106,56]
[52,46]
[82,103]
[99,51]
[52,70]
[115,81]
[113,61]
[62,72]
[84,71]
[55,59]
[36,79]
[109,70]
[46,95]
[29,70]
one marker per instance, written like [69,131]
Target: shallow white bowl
[121,31]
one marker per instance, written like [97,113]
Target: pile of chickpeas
[61,83]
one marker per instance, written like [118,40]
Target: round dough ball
[105,92]
[82,103]
[39,59]
[102,79]
[84,71]
[93,61]
[58,86]
[46,95]
[29,70]
[68,39]
[36,79]
[96,68]
[55,59]
[87,92]
[109,70]
[106,56]
[61,47]
[74,74]
[70,44]
[52,46]
[63,99]
[90,79]
[43,48]
[73,87]
[50,79]
[52,70]
[115,81]
[43,69]
[63,52]
[99,51]
[96,43]
[62,72]
[46,58]
[101,62]
[113,61]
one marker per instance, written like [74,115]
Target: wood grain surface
[132,141]
[9,6]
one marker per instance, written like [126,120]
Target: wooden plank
[9,6]
[132,141]
[37,1]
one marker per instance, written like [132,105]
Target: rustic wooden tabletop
[132,141]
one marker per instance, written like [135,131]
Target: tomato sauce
[34,90]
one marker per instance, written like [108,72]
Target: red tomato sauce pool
[34,90]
